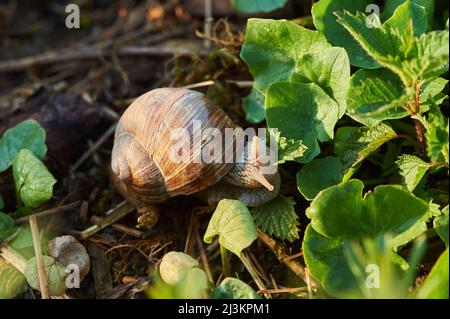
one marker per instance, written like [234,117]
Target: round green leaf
[12,282]
[232,288]
[234,225]
[318,175]
[253,105]
[28,134]
[34,183]
[174,264]
[56,275]
[302,112]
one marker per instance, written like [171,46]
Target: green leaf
[232,288]
[174,264]
[23,242]
[318,175]
[440,224]
[302,112]
[412,58]
[412,169]
[325,260]
[437,135]
[12,282]
[250,6]
[353,144]
[288,150]
[234,225]
[28,134]
[253,105]
[278,218]
[33,181]
[374,96]
[388,209]
[56,275]
[326,22]
[436,283]
[407,13]
[330,69]
[391,5]
[272,48]
[6,226]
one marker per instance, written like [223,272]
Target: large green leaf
[412,169]
[436,283]
[56,275]
[272,49]
[388,209]
[353,144]
[302,112]
[277,217]
[253,105]
[232,288]
[28,134]
[407,13]
[318,175]
[412,58]
[440,224]
[34,183]
[250,6]
[330,69]
[12,282]
[391,5]
[326,22]
[326,262]
[234,225]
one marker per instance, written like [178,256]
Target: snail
[142,162]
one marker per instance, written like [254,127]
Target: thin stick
[208,24]
[89,53]
[282,290]
[279,251]
[120,227]
[14,258]
[113,215]
[199,84]
[39,258]
[48,212]
[203,256]
[251,269]
[109,132]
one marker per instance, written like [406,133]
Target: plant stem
[43,284]
[248,265]
[433,164]
[225,261]
[414,111]
[14,258]
[349,174]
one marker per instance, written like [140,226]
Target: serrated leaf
[412,58]
[437,135]
[28,134]
[412,169]
[368,216]
[33,181]
[288,150]
[302,112]
[234,225]
[272,48]
[232,288]
[12,282]
[318,175]
[257,6]
[253,105]
[278,218]
[330,69]
[326,22]
[353,144]
[436,284]
[440,224]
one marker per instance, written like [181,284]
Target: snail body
[142,157]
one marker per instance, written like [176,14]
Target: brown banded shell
[141,159]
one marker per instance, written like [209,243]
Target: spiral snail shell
[142,165]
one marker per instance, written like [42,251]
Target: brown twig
[120,228]
[48,212]
[203,256]
[42,274]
